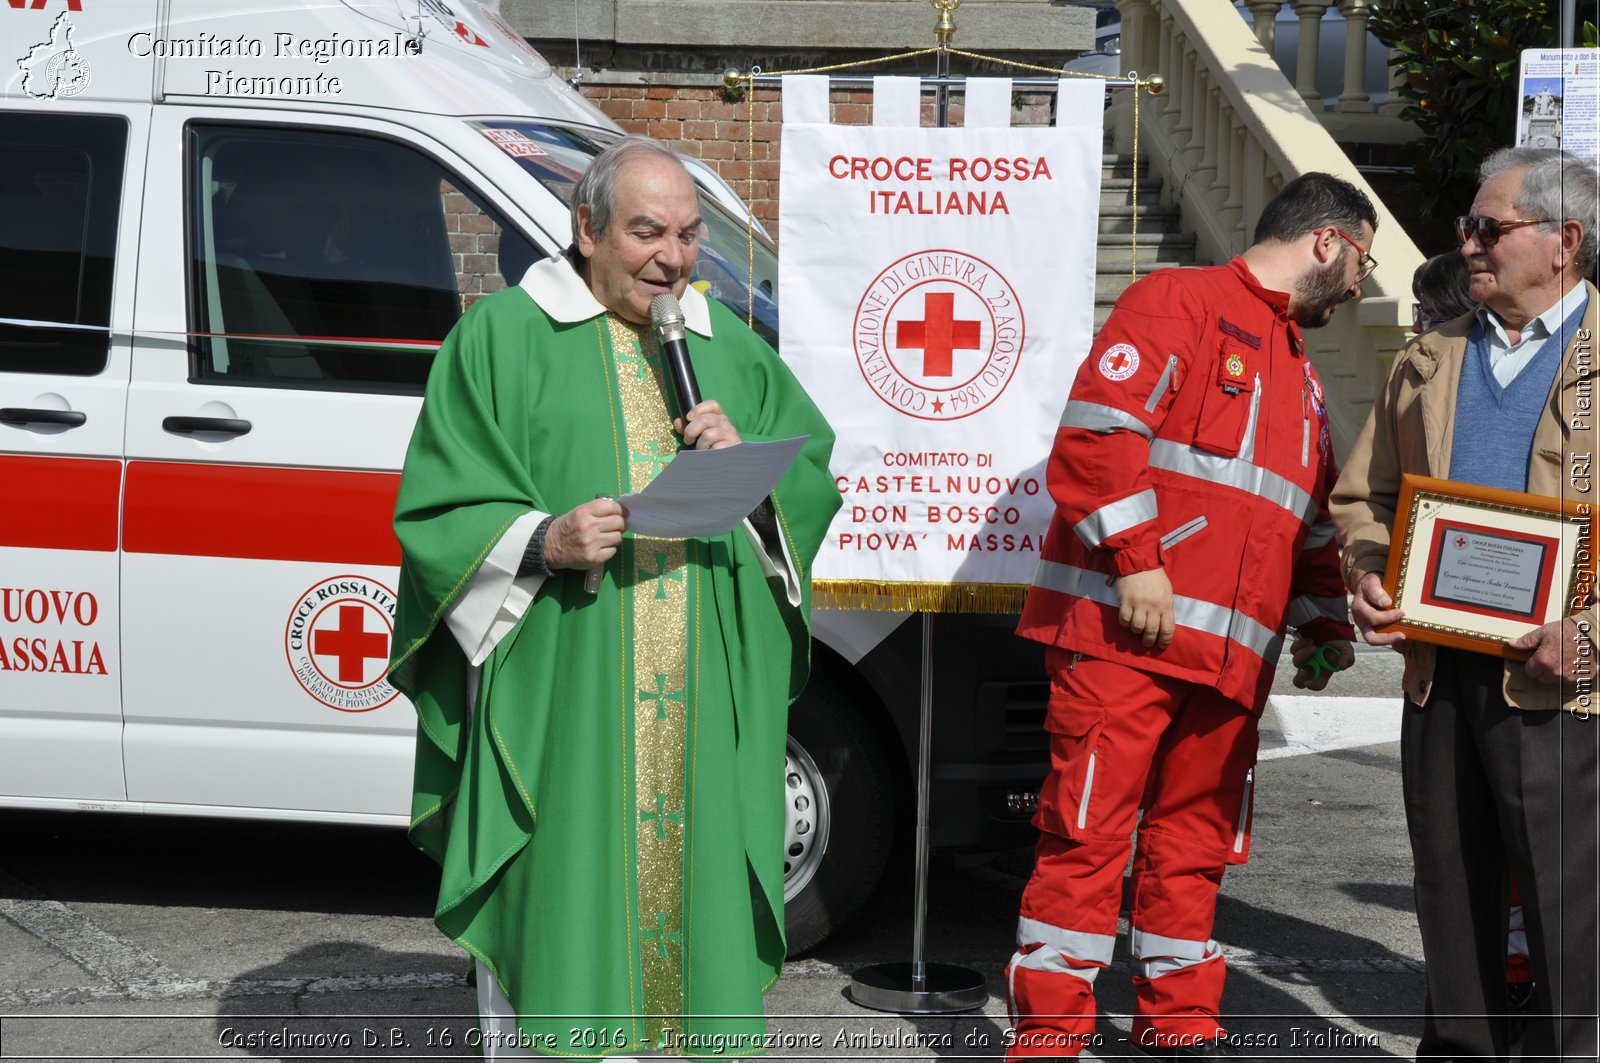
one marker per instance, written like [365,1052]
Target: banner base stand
[942,990]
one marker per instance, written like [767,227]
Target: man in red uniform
[1191,474]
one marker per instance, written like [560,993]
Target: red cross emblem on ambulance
[338,640]
[465,32]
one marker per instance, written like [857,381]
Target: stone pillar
[1355,98]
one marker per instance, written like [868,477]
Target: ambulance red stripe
[59,503]
[265,513]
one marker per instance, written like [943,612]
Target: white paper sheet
[708,492]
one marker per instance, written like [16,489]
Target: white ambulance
[231,238]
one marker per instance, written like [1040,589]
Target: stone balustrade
[1230,130]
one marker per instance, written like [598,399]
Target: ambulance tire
[839,814]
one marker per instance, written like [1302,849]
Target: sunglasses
[1368,263]
[1489,230]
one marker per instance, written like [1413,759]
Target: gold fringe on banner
[918,597]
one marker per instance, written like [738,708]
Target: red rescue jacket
[1195,439]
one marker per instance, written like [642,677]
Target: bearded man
[1191,474]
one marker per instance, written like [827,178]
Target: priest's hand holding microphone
[588,535]
[703,426]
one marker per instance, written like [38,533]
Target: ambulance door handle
[20,415]
[228,426]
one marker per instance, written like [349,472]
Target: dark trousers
[1492,794]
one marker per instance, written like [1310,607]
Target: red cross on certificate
[351,643]
[939,334]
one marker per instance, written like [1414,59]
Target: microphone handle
[686,389]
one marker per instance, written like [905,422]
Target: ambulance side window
[60,195]
[331,260]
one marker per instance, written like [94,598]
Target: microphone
[668,318]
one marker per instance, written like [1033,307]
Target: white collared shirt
[1507,359]
[562,294]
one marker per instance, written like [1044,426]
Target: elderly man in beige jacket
[1499,757]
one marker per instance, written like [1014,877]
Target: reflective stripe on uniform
[1193,613]
[1079,945]
[1182,532]
[1306,608]
[1157,955]
[1238,473]
[1050,961]
[1161,385]
[1148,946]
[1094,417]
[1115,517]
[1320,535]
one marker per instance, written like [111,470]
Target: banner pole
[919,987]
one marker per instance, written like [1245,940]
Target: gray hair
[1557,186]
[597,188]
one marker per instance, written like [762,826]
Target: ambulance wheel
[838,814]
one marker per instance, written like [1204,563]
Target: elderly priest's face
[651,242]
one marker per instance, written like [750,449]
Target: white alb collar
[562,294]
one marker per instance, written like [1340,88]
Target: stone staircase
[1161,241]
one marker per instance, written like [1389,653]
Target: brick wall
[740,140]
[474,246]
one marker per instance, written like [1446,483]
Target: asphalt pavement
[152,938]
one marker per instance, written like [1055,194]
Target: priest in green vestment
[600,775]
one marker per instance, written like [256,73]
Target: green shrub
[1461,62]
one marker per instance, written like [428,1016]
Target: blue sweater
[1493,437]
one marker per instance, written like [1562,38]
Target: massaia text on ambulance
[230,242]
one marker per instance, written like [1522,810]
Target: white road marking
[65,929]
[1297,724]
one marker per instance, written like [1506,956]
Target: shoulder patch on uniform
[1119,361]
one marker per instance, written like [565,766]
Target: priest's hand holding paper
[707,428]
[585,535]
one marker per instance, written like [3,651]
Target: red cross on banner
[351,643]
[939,334]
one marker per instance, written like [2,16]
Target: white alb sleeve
[779,565]
[496,597]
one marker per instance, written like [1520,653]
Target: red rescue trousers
[1122,739]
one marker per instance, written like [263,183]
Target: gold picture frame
[1475,567]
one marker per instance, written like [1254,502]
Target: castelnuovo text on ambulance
[231,239]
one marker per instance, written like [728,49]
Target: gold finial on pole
[731,80]
[1156,84]
[945,28]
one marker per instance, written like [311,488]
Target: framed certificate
[1475,567]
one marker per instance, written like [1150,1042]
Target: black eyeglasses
[1489,230]
[1367,263]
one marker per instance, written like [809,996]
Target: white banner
[937,298]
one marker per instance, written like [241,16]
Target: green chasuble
[608,814]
